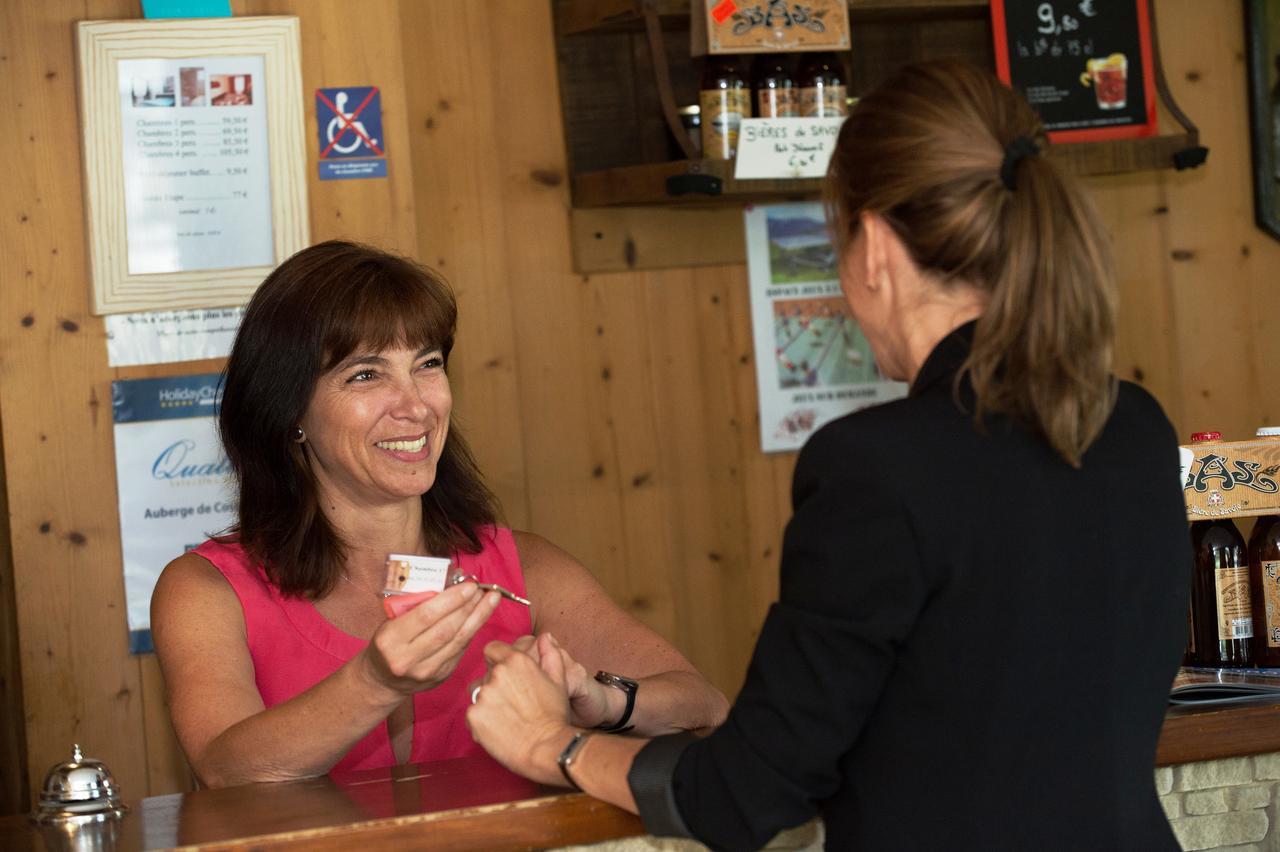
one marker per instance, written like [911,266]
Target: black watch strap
[628,686]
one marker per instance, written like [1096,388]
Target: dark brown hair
[306,317]
[925,151]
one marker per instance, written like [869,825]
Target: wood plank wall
[614,414]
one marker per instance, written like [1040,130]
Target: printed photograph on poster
[813,363]
[172,478]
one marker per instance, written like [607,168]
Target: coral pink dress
[294,647]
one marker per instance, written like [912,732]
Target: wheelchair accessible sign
[349,121]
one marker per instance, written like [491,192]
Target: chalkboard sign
[1084,65]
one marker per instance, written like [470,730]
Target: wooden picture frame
[206,266]
[1262,37]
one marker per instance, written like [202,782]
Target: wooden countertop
[473,803]
[464,804]
[1192,733]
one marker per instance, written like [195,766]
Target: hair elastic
[1015,152]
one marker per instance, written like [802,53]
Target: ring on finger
[475,695]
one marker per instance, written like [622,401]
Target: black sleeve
[851,592]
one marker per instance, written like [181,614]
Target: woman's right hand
[420,648]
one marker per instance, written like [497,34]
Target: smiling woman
[278,656]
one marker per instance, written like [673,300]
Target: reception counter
[1217,767]
[464,804]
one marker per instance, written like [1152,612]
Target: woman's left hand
[589,704]
[521,714]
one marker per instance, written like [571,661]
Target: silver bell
[80,790]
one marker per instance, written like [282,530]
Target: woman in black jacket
[984,585]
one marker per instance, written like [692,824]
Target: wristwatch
[628,686]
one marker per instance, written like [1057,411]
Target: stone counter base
[1223,804]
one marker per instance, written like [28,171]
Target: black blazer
[973,646]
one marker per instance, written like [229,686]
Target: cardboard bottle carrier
[1233,479]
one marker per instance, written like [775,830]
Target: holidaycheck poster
[172,478]
[813,363]
[1084,65]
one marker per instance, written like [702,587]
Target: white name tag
[409,574]
[785,147]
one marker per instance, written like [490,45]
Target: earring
[297,435]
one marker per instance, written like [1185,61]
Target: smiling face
[376,425]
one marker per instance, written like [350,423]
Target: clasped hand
[589,704]
[422,647]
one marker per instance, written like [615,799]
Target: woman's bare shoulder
[192,583]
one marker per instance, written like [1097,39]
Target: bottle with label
[774,87]
[1264,572]
[1220,589]
[725,100]
[822,86]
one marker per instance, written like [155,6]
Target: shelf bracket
[1194,154]
[662,76]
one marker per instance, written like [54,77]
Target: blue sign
[169,398]
[349,123]
[186,8]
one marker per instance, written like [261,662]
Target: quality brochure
[173,481]
[813,363]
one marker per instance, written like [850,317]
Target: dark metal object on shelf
[693,183]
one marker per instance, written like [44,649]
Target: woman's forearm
[302,737]
[674,701]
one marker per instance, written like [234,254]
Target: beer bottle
[1220,589]
[725,100]
[776,95]
[822,86]
[1264,574]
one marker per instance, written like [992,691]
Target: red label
[723,10]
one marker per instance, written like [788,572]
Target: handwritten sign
[785,147]
[1084,65]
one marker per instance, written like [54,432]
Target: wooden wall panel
[14,796]
[1222,269]
[459,184]
[80,683]
[615,414]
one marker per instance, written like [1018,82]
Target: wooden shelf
[648,184]
[583,16]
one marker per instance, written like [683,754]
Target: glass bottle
[725,100]
[822,86]
[774,87]
[1264,576]
[1220,589]
[1222,594]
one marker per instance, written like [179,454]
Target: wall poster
[172,479]
[194,158]
[813,363]
[1084,65]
